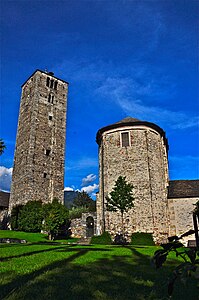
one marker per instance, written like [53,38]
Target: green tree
[30,217]
[15,216]
[121,197]
[85,201]
[2,146]
[55,215]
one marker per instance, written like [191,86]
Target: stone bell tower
[38,172]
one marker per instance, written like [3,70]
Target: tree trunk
[122,213]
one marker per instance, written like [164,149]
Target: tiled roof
[4,199]
[128,120]
[183,188]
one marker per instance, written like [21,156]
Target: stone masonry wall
[78,226]
[38,172]
[180,214]
[144,163]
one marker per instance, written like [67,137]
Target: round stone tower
[138,150]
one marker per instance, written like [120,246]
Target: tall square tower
[38,172]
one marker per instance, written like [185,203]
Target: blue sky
[121,58]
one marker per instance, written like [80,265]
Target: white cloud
[5,178]
[88,179]
[90,188]
[68,189]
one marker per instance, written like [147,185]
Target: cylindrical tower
[138,150]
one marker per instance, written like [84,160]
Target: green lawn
[44,270]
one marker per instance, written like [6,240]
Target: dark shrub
[120,240]
[30,217]
[142,238]
[15,216]
[104,239]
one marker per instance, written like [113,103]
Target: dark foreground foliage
[184,270]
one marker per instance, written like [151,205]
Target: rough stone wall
[180,215]
[144,163]
[78,226]
[3,219]
[37,174]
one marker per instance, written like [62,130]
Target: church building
[138,150]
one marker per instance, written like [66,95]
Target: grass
[44,270]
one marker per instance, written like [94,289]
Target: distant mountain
[69,196]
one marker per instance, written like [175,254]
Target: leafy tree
[121,198]
[30,217]
[15,216]
[2,146]
[84,200]
[55,215]
[76,212]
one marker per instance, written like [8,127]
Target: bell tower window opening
[125,139]
[51,83]
[55,85]
[48,81]
[50,98]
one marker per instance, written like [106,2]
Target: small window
[52,98]
[125,139]
[49,98]
[55,85]
[47,152]
[50,118]
[48,81]
[45,175]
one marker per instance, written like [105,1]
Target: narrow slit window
[48,81]
[52,98]
[49,98]
[47,152]
[45,175]
[125,139]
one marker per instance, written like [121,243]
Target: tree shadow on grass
[115,278]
